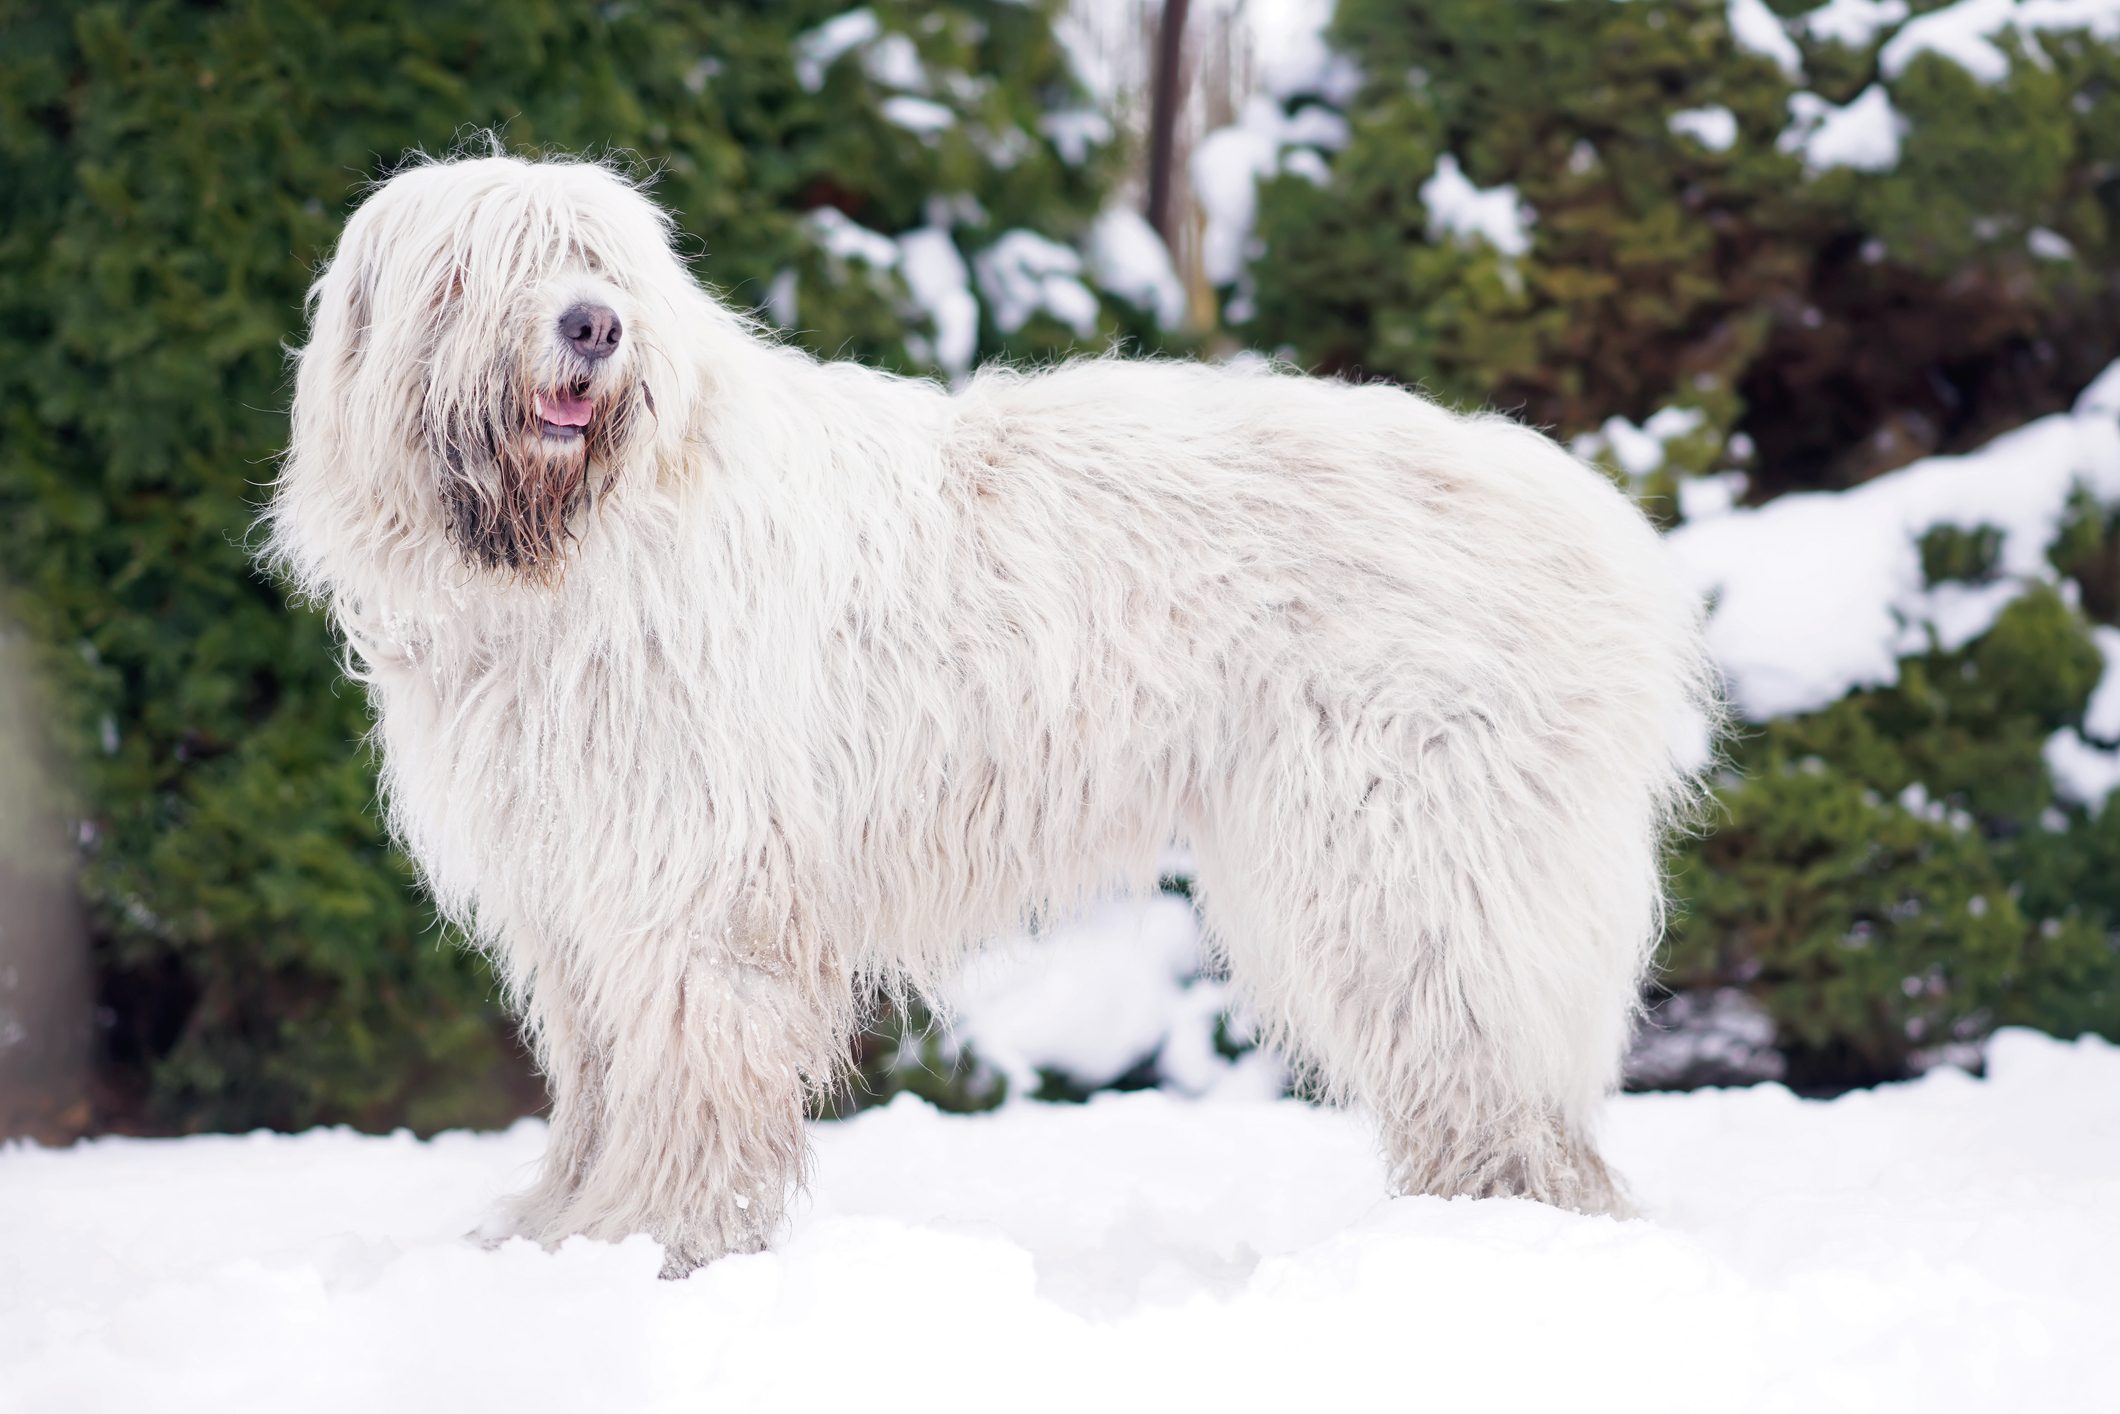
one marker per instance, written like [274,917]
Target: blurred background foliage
[1890,876]
[1844,321]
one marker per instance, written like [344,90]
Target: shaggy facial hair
[510,491]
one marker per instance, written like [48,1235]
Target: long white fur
[843,673]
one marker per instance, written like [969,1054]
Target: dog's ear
[342,301]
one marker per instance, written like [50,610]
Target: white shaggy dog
[718,685]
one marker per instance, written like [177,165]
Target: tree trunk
[1163,117]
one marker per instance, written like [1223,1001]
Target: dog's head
[493,347]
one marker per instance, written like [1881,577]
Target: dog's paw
[501,1225]
[686,1255]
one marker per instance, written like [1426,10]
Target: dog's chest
[577,788]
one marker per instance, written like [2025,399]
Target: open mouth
[564,416]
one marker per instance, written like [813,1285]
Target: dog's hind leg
[1448,937]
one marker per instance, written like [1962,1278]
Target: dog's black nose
[592,329]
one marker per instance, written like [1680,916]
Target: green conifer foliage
[1896,873]
[1847,320]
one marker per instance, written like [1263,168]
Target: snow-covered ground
[1946,1244]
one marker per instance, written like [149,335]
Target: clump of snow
[704,69]
[1458,208]
[1075,132]
[1917,801]
[1288,38]
[1714,128]
[1023,273]
[1103,995]
[1966,33]
[1818,594]
[1956,614]
[1129,259]
[846,239]
[2102,397]
[916,115]
[1313,126]
[1961,33]
[1920,1246]
[1305,162]
[2049,245]
[1852,22]
[1756,28]
[1700,497]
[941,285]
[1863,134]
[1230,162]
[1101,39]
[1226,168]
[2082,772]
[1639,451]
[2100,18]
[967,88]
[816,50]
[2102,717]
[1005,147]
[894,61]
[781,303]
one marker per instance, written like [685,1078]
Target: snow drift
[1924,1246]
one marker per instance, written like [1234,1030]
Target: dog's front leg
[571,1059]
[698,1105]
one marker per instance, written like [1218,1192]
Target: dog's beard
[513,489]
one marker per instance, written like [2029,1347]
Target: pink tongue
[563,412]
